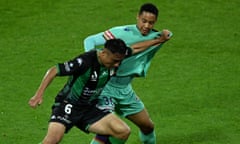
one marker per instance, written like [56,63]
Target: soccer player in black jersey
[75,104]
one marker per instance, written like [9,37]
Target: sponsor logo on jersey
[67,67]
[70,65]
[94,76]
[88,92]
[126,29]
[104,73]
[112,72]
[105,107]
[61,118]
[79,60]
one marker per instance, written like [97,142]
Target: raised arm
[141,46]
[47,79]
[98,39]
[94,40]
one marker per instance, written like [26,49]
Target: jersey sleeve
[113,33]
[72,67]
[92,41]
[97,40]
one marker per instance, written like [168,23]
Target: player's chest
[99,76]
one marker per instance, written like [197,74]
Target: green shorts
[122,100]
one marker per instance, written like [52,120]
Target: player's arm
[92,41]
[47,79]
[141,46]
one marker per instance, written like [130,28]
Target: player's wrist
[159,40]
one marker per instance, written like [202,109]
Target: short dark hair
[149,7]
[117,46]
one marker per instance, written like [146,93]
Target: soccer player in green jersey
[118,94]
[75,104]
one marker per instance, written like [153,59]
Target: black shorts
[70,115]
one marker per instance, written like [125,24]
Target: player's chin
[145,32]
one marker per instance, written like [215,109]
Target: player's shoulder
[88,57]
[124,27]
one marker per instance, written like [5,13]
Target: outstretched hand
[35,101]
[165,36]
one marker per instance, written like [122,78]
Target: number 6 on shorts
[68,109]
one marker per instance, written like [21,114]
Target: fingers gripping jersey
[86,79]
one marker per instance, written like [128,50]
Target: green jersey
[87,77]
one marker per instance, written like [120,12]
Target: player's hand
[165,36]
[35,101]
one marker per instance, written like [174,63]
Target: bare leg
[54,134]
[146,126]
[113,126]
[143,121]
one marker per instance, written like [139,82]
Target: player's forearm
[92,41]
[141,46]
[47,79]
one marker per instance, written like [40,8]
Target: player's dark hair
[116,46]
[149,7]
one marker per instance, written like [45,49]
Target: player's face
[111,60]
[145,22]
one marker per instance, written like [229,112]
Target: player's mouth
[145,31]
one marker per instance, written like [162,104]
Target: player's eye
[144,21]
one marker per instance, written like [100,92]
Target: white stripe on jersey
[108,35]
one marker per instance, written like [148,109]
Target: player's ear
[104,52]
[137,17]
